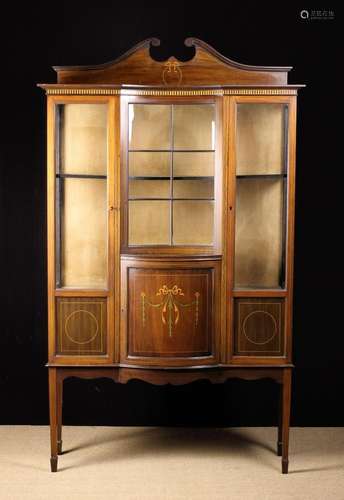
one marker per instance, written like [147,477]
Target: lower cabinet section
[259,327]
[170,312]
[170,317]
[81,326]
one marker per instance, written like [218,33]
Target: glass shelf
[261,176]
[80,176]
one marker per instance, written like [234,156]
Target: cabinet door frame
[286,292]
[111,292]
[216,248]
[185,361]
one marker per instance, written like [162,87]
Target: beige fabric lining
[84,233]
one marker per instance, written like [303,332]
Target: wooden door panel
[81,326]
[259,327]
[170,313]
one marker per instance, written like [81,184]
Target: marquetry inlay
[170,306]
[69,91]
[249,318]
[168,92]
[258,326]
[172,74]
[93,327]
[260,92]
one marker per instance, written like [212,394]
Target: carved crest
[207,67]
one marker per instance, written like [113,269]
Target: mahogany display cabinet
[170,223]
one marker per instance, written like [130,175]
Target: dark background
[33,38]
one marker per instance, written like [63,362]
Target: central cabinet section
[171,230]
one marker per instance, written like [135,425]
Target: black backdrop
[35,37]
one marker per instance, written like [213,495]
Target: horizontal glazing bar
[190,177]
[149,178]
[193,199]
[171,150]
[171,199]
[194,178]
[173,245]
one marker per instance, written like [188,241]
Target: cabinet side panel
[291,223]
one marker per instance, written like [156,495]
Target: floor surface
[139,463]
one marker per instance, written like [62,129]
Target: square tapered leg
[286,402]
[54,408]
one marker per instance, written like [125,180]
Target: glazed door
[82,198]
[171,176]
[263,182]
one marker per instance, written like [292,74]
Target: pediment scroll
[206,68]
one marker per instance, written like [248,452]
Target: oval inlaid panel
[259,327]
[83,335]
[81,325]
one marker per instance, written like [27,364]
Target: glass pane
[149,222]
[260,139]
[154,164]
[193,222]
[83,138]
[149,126]
[259,233]
[149,189]
[201,188]
[83,233]
[193,164]
[194,126]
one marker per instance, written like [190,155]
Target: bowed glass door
[171,157]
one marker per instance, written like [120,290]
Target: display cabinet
[170,223]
